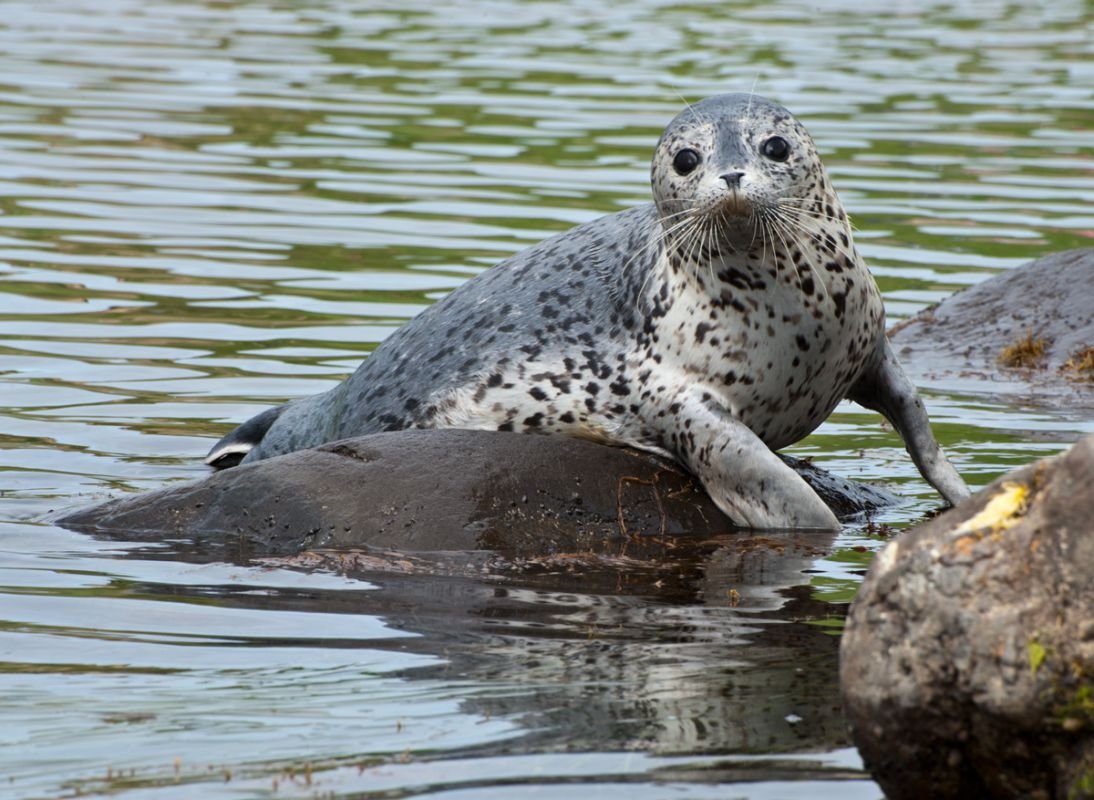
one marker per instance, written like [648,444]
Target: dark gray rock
[962,338]
[967,663]
[439,490]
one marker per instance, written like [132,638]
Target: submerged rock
[1029,330]
[967,663]
[440,490]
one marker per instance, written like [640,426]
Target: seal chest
[726,319]
[773,352]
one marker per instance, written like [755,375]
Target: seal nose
[732,179]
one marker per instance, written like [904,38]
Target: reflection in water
[709,651]
[206,208]
[664,680]
[618,672]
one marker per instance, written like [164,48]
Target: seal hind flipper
[235,446]
[883,387]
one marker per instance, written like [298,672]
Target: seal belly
[555,394]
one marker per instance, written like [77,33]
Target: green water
[207,208]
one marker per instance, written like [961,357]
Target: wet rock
[1027,331]
[444,490]
[967,663]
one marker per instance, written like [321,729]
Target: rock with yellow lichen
[967,663]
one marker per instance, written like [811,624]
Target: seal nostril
[732,179]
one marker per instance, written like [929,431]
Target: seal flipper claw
[235,446]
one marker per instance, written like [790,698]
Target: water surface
[210,207]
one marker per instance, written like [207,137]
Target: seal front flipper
[744,478]
[235,446]
[885,388]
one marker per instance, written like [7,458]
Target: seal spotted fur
[721,323]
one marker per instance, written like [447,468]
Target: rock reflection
[713,650]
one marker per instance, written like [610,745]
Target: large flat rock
[440,490]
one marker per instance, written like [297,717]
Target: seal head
[732,175]
[740,173]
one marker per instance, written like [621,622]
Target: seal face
[724,321]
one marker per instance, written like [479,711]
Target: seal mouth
[735,204]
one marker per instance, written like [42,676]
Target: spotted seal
[716,325]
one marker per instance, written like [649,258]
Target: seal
[720,323]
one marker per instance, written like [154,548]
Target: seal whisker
[680,220]
[709,241]
[808,208]
[704,247]
[661,238]
[758,222]
[807,252]
[812,210]
[807,213]
[677,214]
[685,238]
[678,237]
[717,245]
[772,228]
[801,222]
[691,250]
[687,105]
[769,233]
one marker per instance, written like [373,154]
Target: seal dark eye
[776,148]
[686,161]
